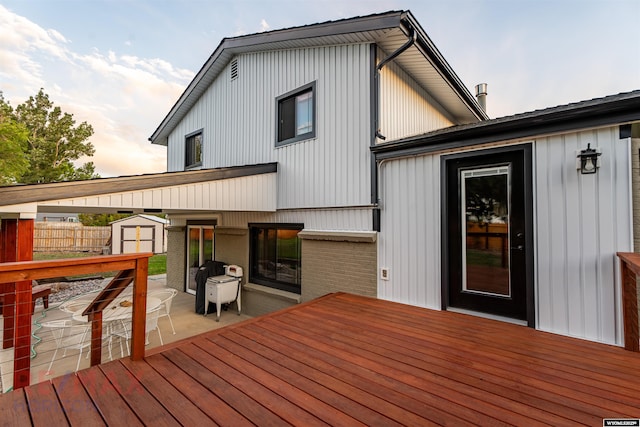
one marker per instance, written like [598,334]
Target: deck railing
[630,269]
[16,285]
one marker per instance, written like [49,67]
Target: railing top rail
[632,260]
[44,269]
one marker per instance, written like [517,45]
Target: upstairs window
[275,256]
[193,150]
[296,115]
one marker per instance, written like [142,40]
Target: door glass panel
[201,248]
[207,244]
[485,236]
[194,258]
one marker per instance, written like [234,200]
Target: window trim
[273,283]
[309,87]
[186,139]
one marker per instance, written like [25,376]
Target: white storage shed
[139,233]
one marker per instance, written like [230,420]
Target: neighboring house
[139,233]
[348,156]
[57,217]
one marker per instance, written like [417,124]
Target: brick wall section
[176,258]
[334,266]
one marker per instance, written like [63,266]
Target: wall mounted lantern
[588,160]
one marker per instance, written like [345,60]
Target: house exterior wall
[406,109]
[324,182]
[635,177]
[580,222]
[238,122]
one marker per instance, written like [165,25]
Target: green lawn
[157,263]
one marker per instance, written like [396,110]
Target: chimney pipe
[481,95]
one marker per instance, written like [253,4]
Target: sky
[120,65]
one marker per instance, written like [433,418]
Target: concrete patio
[186,322]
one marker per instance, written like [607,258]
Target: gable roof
[389,31]
[138,216]
[623,108]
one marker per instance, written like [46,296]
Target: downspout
[375,108]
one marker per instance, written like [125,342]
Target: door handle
[517,248]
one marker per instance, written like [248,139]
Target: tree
[100,220]
[53,142]
[13,143]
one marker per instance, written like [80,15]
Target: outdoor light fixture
[588,160]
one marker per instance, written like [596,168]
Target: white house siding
[238,121]
[409,240]
[255,192]
[313,219]
[406,109]
[580,222]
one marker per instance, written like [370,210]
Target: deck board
[44,407]
[78,407]
[348,360]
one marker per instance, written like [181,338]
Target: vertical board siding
[321,219]
[406,109]
[582,221]
[409,240]
[255,192]
[238,121]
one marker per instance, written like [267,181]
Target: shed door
[137,238]
[488,257]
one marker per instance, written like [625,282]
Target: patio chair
[69,336]
[122,330]
[166,296]
[78,302]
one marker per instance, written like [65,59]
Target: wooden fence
[69,237]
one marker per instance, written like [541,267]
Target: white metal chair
[69,336]
[166,296]
[76,303]
[122,329]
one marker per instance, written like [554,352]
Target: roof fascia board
[521,126]
[20,194]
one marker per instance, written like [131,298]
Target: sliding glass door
[200,248]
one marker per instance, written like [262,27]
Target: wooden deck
[348,360]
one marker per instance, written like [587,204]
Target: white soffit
[248,193]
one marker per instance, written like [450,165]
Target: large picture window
[275,256]
[193,150]
[296,115]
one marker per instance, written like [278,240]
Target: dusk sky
[120,65]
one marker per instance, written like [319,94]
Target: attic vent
[234,69]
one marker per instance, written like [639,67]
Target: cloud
[122,96]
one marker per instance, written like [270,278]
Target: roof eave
[617,109]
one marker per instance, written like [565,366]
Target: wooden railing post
[629,269]
[96,337]
[138,321]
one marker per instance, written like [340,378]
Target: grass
[157,263]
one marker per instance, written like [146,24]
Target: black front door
[487,260]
